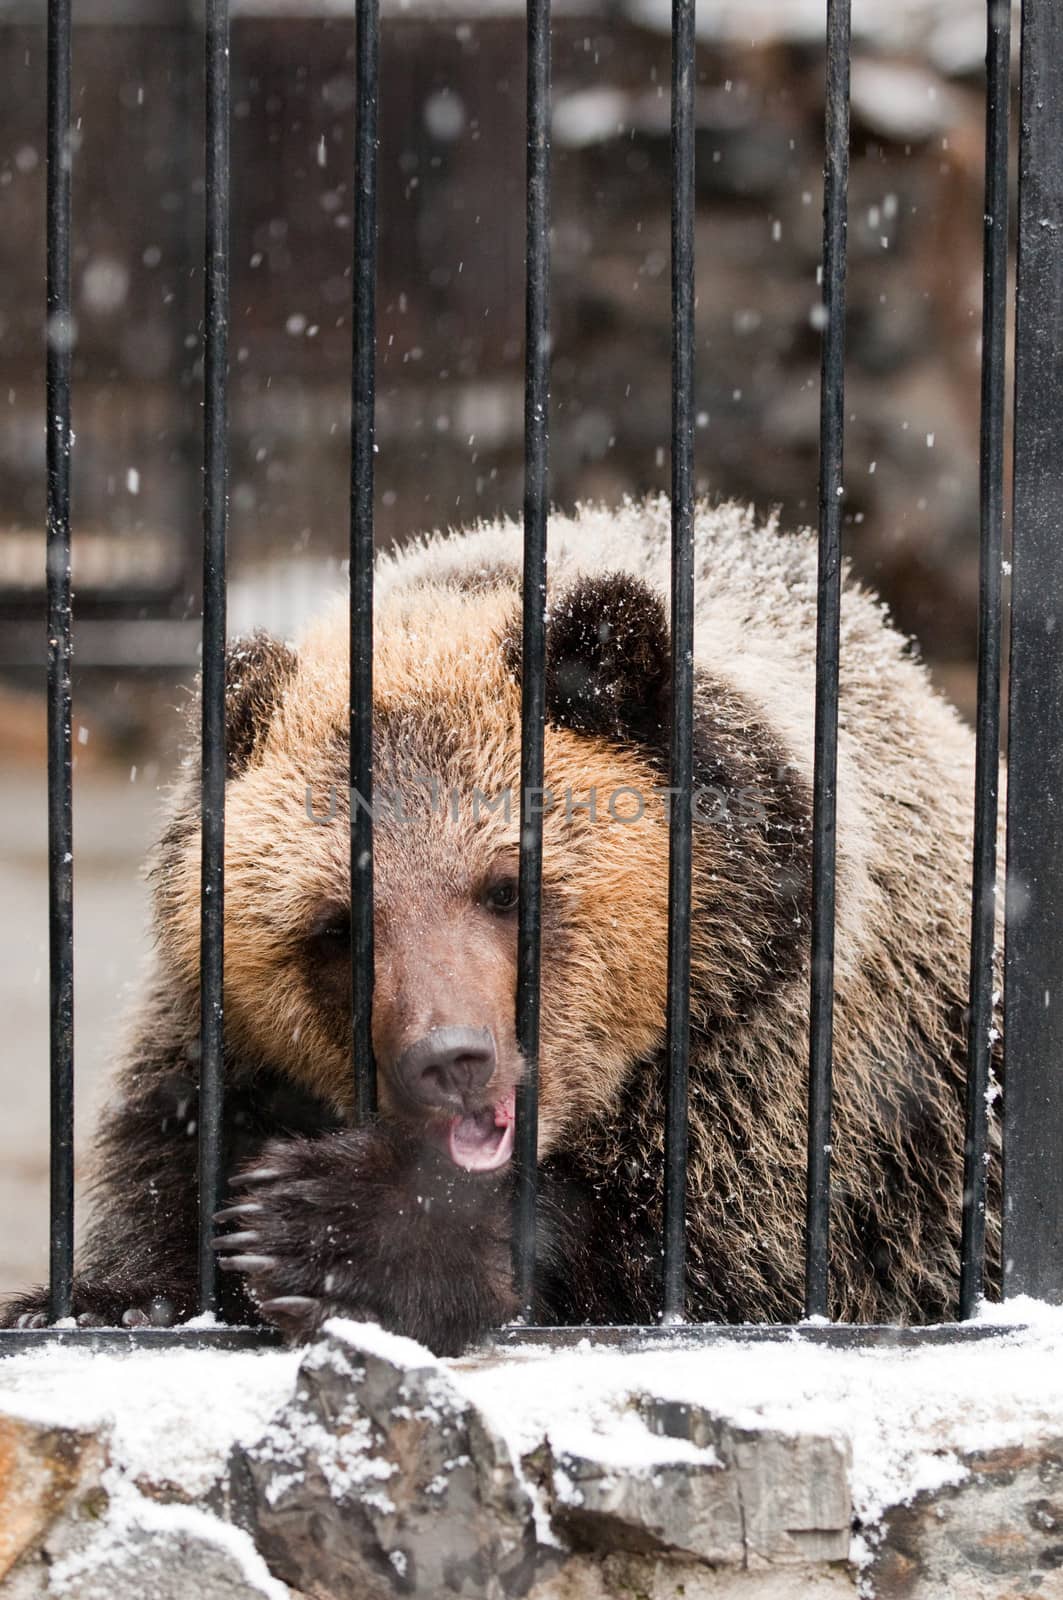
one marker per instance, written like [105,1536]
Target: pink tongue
[483,1142]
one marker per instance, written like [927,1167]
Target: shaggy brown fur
[381,1222]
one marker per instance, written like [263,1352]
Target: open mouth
[482,1141]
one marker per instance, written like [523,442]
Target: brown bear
[408,1221]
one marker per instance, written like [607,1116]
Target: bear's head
[447,789]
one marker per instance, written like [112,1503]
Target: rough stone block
[42,1471]
[793,1488]
[756,1497]
[686,1506]
[380,1479]
[997,1535]
[142,1563]
[641,1577]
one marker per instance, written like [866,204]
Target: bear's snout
[448,1068]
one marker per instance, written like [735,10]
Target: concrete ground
[114,821]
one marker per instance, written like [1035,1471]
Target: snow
[172,1417]
[907,1415]
[343,1453]
[133,1523]
[173,1414]
[376,1341]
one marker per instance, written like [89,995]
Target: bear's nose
[447,1067]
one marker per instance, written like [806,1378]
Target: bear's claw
[298,1316]
[234,1241]
[247,1263]
[236,1213]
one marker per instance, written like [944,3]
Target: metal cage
[1033,1119]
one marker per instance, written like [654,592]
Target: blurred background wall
[449,364]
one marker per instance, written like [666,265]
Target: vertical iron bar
[60,334]
[1033,984]
[682,730]
[363,446]
[215,517]
[987,758]
[828,622]
[536,507]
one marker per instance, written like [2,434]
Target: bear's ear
[258,669]
[608,659]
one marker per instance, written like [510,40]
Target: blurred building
[451,287]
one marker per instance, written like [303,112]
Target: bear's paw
[375,1225]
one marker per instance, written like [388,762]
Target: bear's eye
[331,933]
[501,896]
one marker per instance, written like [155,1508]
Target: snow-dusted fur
[446,702]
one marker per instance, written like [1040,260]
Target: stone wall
[364,1468]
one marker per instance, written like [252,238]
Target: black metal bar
[692,1336]
[703,1335]
[536,508]
[682,730]
[19,1341]
[828,623]
[363,446]
[1033,987]
[60,332]
[215,518]
[987,759]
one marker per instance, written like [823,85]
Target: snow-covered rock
[380,1478]
[364,1467]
